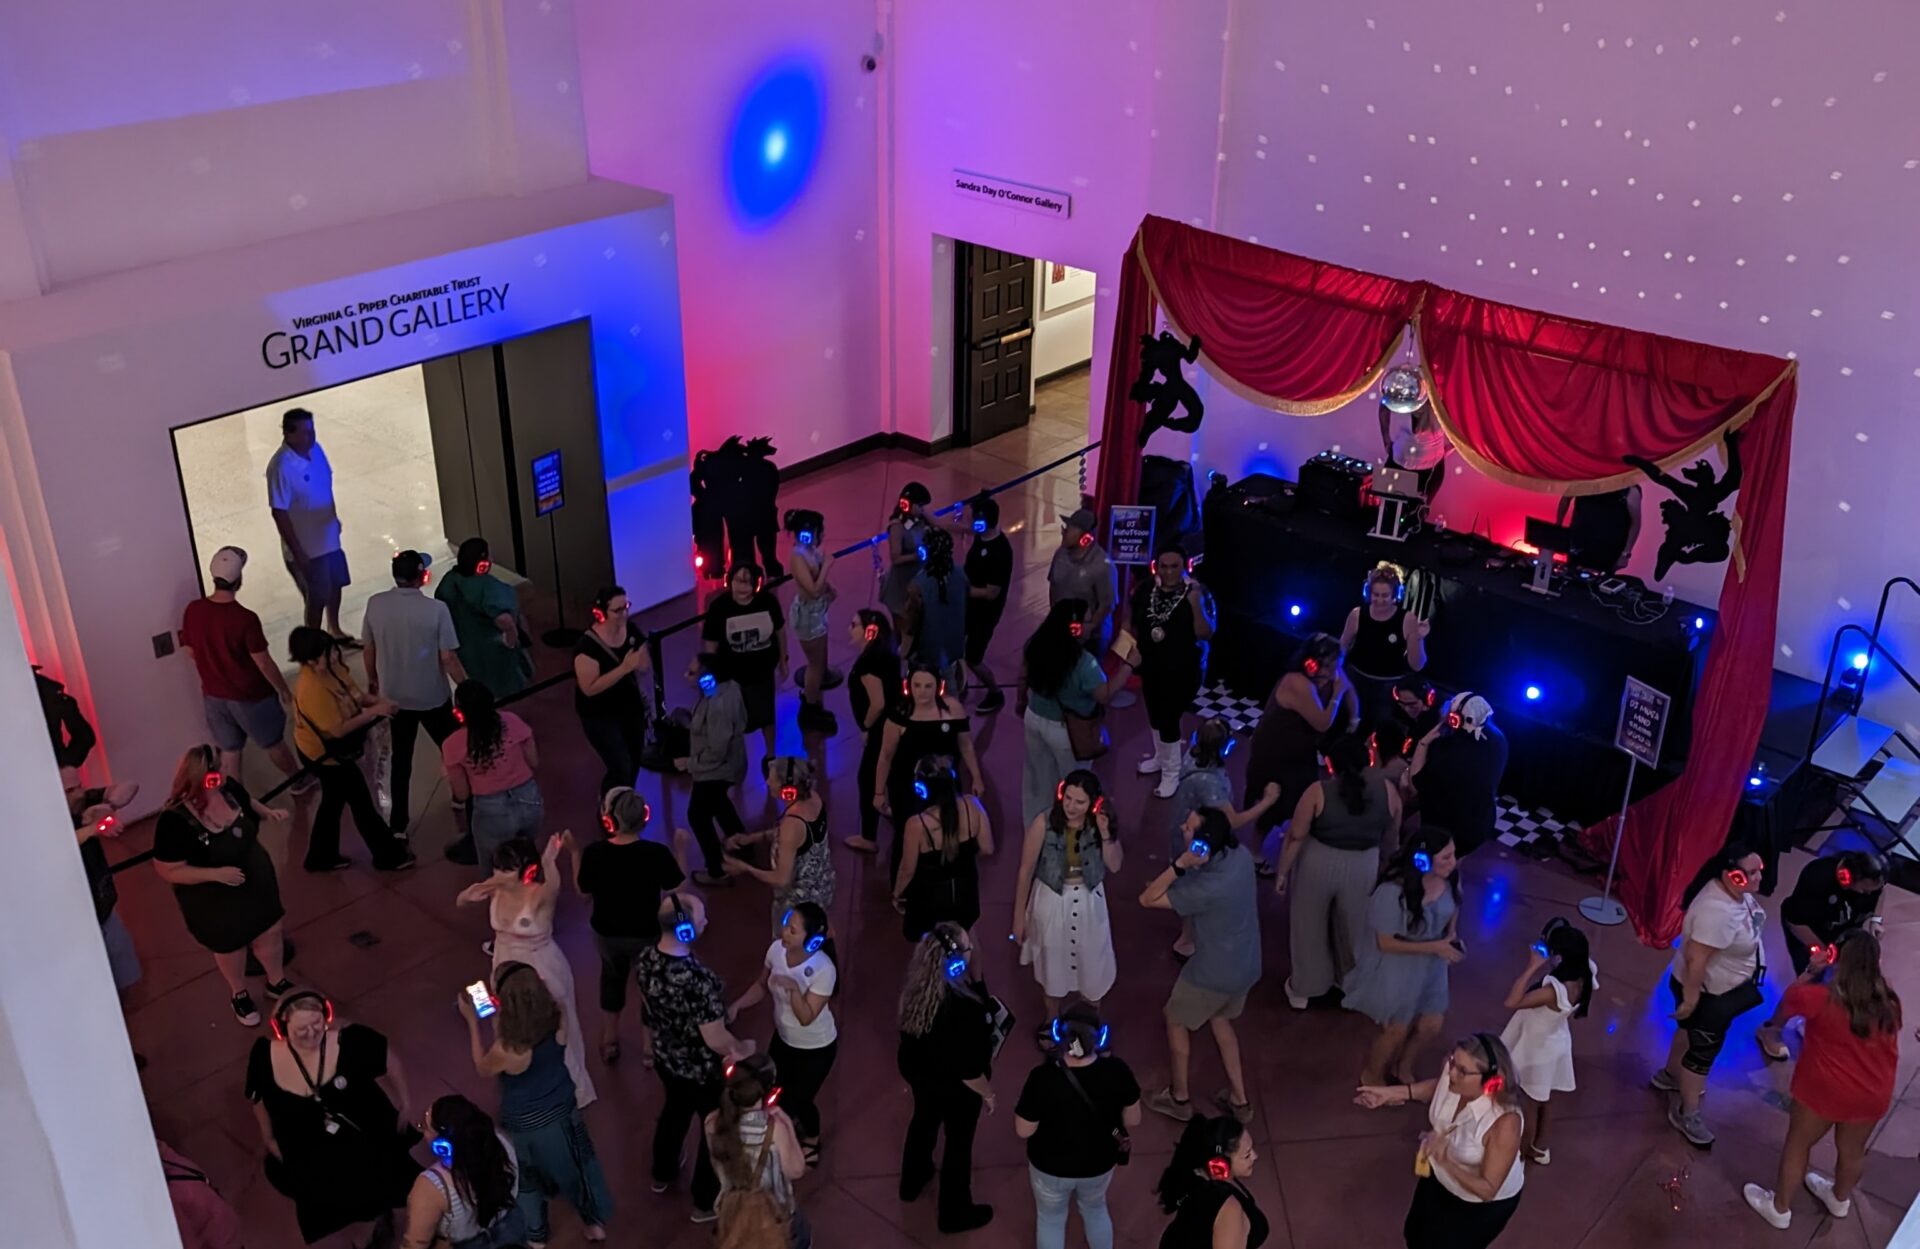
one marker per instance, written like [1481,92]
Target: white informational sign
[1055,204]
[1643,722]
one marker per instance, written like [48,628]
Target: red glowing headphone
[607,821]
[790,793]
[872,632]
[1311,667]
[1086,540]
[531,876]
[1490,1080]
[906,505]
[483,567]
[1843,875]
[278,1021]
[1219,1168]
[459,716]
[599,614]
[1076,629]
[768,1102]
[1373,750]
[1453,720]
[1739,877]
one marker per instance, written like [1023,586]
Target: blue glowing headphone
[920,789]
[1201,847]
[956,962]
[814,940]
[1226,747]
[1061,1035]
[1422,861]
[804,537]
[442,1149]
[922,549]
[707,682]
[683,930]
[979,525]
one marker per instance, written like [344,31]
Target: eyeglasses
[1458,1068]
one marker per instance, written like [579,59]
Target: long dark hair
[877,628]
[1084,780]
[1858,984]
[482,1172]
[1052,653]
[486,731]
[1730,857]
[749,1080]
[939,561]
[1568,945]
[1350,758]
[1400,870]
[935,772]
[1201,1141]
[1314,655]
[1211,743]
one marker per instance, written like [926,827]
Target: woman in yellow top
[331,716]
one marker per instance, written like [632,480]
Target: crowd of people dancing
[1364,788]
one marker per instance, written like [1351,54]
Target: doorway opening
[1021,335]
[500,442]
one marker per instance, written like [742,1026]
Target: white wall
[783,321]
[94,380]
[138,134]
[1062,332]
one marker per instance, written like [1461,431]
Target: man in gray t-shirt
[1081,570]
[1212,884]
[412,652]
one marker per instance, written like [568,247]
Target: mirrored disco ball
[1402,389]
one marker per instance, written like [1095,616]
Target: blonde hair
[1385,571]
[795,770]
[927,984]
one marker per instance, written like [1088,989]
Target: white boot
[1149,764]
[1170,767]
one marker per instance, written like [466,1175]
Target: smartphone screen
[482,1000]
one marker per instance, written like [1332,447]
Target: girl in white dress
[1060,907]
[1539,1034]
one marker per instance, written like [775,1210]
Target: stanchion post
[1604,909]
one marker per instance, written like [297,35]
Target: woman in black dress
[946,1058]
[325,1100]
[206,844]
[926,722]
[1204,1188]
[939,874]
[1384,640]
[870,690]
[1172,619]
[1312,700]
[606,694]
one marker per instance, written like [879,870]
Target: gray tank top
[461,1221]
[1340,829]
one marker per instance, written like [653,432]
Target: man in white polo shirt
[300,492]
[412,654]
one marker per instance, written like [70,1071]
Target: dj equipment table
[1268,557]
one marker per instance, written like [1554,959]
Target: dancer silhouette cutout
[1697,531]
[1164,355]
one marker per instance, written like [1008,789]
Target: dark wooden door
[994,320]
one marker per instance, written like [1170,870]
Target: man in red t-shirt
[246,697]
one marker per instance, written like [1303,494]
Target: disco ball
[1402,389]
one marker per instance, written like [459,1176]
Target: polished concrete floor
[392,951]
[376,436]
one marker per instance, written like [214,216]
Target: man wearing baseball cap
[412,652]
[245,695]
[1081,570]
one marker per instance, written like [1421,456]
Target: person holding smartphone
[1399,978]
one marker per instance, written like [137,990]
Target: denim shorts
[234,722]
[809,617]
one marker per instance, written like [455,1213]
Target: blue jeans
[1050,1196]
[498,818]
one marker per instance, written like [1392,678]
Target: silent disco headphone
[955,965]
[278,1020]
[683,930]
[442,1149]
[814,939]
[1422,861]
[1226,1133]
[607,821]
[979,524]
[603,600]
[1844,873]
[1552,926]
[761,1067]
[1384,572]
[1491,1081]
[1074,1034]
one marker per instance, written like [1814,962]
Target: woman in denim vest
[1060,907]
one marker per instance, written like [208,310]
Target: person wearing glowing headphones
[685,1004]
[625,876]
[1074,1113]
[1384,639]
[1716,977]
[1834,895]
[758,1157]
[799,862]
[802,975]
[495,646]
[466,1198]
[1081,570]
[1469,1158]
[716,761]
[1204,1188]
[1453,779]
[813,595]
[906,531]
[989,569]
[947,1043]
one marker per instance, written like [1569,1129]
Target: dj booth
[1280,568]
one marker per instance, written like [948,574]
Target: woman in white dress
[1540,1035]
[520,897]
[1060,907]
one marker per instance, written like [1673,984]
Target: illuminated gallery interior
[1522,394]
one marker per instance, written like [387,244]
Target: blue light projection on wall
[774,144]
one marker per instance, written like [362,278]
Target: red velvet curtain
[1541,401]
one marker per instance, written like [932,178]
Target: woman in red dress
[1844,1081]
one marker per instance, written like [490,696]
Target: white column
[78,1168]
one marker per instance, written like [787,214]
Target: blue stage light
[1294,609]
[773,147]
[1533,693]
[1755,781]
[1699,623]
[1860,661]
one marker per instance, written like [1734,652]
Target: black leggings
[802,1073]
[1439,1220]
[708,806]
[344,789]
[953,1106]
[619,740]
[1167,699]
[868,781]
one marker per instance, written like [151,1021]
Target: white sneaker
[1761,1199]
[1293,999]
[1821,1186]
